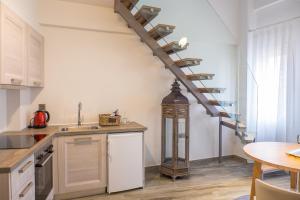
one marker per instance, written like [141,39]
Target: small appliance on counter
[41,118]
[110,119]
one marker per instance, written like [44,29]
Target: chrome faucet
[79,122]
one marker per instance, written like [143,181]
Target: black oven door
[43,177]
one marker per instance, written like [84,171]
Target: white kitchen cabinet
[13,48]
[81,163]
[125,161]
[21,51]
[20,183]
[23,180]
[35,58]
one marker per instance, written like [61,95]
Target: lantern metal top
[175,97]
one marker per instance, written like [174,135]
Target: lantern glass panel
[181,138]
[168,140]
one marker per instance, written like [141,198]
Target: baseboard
[79,194]
[224,158]
[204,161]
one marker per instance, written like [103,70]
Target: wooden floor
[208,181]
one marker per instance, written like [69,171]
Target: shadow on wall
[34,92]
[17,105]
[149,156]
[2,110]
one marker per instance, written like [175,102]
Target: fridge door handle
[108,151]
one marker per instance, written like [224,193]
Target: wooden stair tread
[201,76]
[129,4]
[249,139]
[160,31]
[220,103]
[229,115]
[174,47]
[232,124]
[245,139]
[146,14]
[210,90]
[188,62]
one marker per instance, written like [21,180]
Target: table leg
[294,180]
[298,181]
[256,175]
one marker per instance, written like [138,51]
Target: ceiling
[104,3]
[261,4]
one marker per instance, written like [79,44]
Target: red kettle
[40,119]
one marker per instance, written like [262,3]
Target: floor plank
[208,181]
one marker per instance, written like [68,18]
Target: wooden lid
[175,97]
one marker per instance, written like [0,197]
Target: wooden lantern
[175,134]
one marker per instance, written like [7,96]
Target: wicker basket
[108,120]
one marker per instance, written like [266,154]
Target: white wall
[3,110]
[27,9]
[78,15]
[91,56]
[229,13]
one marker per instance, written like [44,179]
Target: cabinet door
[13,48]
[35,58]
[82,163]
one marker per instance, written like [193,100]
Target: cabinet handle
[45,160]
[25,167]
[82,140]
[37,83]
[15,81]
[108,151]
[26,190]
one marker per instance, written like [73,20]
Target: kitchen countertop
[11,158]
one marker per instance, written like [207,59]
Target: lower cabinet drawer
[23,180]
[22,175]
[26,193]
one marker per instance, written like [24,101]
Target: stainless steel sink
[79,128]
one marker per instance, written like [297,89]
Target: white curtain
[293,85]
[273,82]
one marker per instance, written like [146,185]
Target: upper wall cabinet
[13,48]
[22,52]
[35,58]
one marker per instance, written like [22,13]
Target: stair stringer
[164,57]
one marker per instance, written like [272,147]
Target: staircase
[144,16]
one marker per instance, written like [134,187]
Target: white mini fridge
[125,161]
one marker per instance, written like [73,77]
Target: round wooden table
[273,154]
